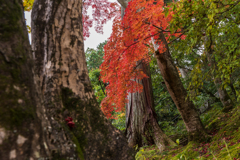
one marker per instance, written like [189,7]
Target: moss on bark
[16,103]
[92,132]
[85,114]
[11,14]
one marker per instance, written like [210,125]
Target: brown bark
[223,95]
[141,123]
[57,44]
[20,132]
[178,93]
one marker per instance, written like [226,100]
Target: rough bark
[61,72]
[20,132]
[178,93]
[223,95]
[141,123]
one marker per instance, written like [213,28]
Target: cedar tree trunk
[223,95]
[178,93]
[141,123]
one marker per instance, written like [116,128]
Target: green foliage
[94,60]
[188,153]
[119,122]
[149,153]
[177,141]
[98,85]
[208,26]
[177,129]
[224,144]
[95,57]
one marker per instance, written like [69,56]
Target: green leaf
[177,141]
[166,11]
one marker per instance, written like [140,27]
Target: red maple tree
[129,43]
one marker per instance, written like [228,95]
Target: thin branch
[135,43]
[101,87]
[233,5]
[159,27]
[163,29]
[176,38]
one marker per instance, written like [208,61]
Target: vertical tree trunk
[223,95]
[141,123]
[178,93]
[20,132]
[62,77]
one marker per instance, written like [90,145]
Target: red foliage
[70,122]
[129,43]
[102,11]
[68,119]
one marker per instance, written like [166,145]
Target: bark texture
[178,93]
[20,132]
[223,95]
[141,123]
[62,77]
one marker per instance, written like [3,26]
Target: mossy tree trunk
[20,133]
[141,123]
[223,95]
[178,93]
[61,73]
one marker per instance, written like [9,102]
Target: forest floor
[224,144]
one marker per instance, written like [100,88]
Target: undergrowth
[224,129]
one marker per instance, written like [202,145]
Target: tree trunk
[141,123]
[57,44]
[223,95]
[20,132]
[178,93]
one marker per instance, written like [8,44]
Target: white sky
[96,38]
[92,41]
